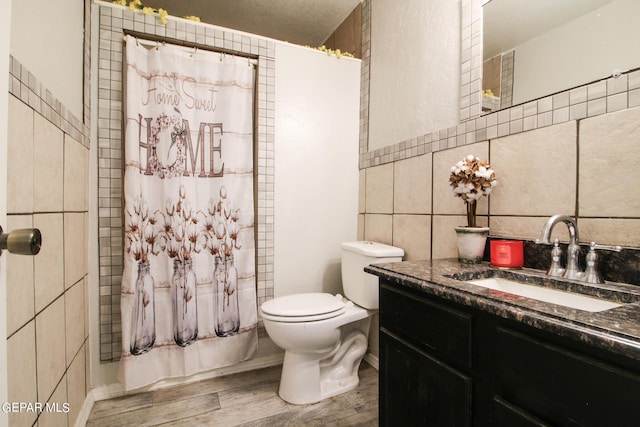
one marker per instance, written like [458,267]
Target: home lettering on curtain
[188,297]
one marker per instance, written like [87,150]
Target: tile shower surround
[114,22]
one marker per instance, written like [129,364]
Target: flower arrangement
[162,14]
[471,179]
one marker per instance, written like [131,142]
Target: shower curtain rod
[187,48]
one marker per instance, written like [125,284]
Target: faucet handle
[591,274]
[594,246]
[555,269]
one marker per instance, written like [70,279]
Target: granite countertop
[616,330]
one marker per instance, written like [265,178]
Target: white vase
[471,242]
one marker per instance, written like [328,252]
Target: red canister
[507,253]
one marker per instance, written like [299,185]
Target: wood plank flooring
[248,399]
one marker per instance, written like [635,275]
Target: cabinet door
[439,329]
[418,390]
[562,387]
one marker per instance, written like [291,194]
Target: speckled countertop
[616,330]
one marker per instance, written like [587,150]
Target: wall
[47,172]
[348,36]
[5,27]
[39,29]
[47,319]
[562,168]
[392,211]
[316,178]
[415,49]
[560,154]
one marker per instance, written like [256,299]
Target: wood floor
[245,399]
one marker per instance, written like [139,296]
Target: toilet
[325,336]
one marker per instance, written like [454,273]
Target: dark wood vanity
[455,355]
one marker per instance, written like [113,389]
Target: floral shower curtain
[188,297]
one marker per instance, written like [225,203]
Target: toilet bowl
[325,336]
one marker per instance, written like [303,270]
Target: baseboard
[85,411]
[372,360]
[111,391]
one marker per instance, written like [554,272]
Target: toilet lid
[315,306]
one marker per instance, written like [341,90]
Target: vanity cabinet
[423,346]
[448,364]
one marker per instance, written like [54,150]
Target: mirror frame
[471,59]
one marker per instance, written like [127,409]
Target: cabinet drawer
[563,387]
[434,327]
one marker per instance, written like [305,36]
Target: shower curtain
[188,296]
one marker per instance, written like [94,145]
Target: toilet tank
[359,286]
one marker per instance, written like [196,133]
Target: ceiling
[304,22]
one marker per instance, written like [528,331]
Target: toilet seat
[306,307]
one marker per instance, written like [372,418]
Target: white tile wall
[20,280]
[409,174]
[50,335]
[46,309]
[536,172]
[609,148]
[20,174]
[48,157]
[21,366]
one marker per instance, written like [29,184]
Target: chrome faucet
[572,271]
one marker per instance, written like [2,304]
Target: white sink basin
[554,296]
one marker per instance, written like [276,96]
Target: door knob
[25,241]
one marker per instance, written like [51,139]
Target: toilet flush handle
[25,241]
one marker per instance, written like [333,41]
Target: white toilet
[325,336]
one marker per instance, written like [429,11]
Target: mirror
[533,49]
